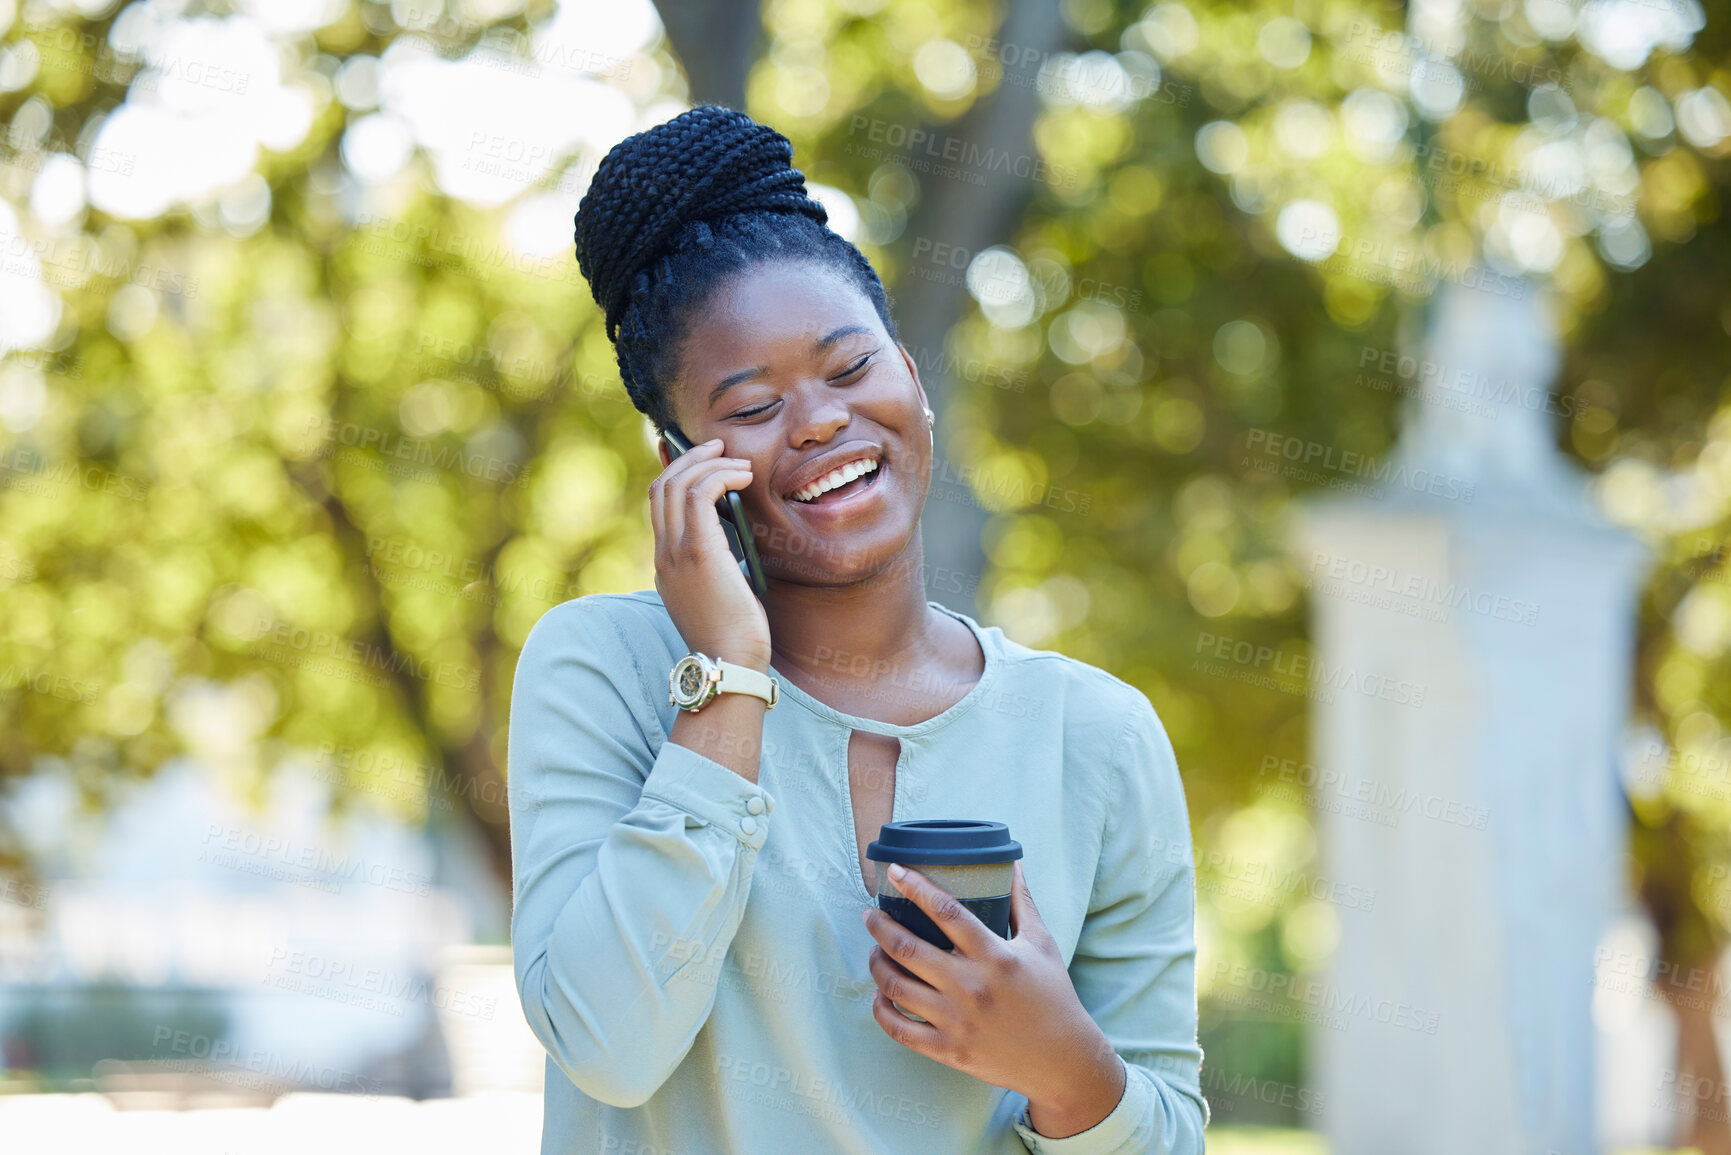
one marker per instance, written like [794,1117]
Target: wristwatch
[697,678]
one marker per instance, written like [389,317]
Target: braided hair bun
[677,207]
[704,164]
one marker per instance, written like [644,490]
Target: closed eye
[852,370]
[856,367]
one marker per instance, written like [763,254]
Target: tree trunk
[1690,943]
[971,217]
[716,41]
[1700,1094]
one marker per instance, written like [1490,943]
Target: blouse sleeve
[1134,967]
[631,861]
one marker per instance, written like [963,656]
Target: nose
[818,417]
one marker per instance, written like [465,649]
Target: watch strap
[745,680]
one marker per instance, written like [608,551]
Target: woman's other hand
[1004,1011]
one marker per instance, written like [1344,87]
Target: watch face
[689,680]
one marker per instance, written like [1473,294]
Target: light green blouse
[688,944]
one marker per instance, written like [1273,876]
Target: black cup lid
[945,841]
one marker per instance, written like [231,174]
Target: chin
[835,560]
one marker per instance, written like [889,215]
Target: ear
[915,371]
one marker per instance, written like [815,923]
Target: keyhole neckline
[988,640]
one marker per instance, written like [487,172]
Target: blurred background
[1351,376]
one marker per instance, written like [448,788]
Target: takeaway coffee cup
[971,859]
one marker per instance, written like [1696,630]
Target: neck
[854,630]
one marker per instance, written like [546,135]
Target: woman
[697,944]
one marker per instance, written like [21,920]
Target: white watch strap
[745,680]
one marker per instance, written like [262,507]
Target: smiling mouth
[842,492]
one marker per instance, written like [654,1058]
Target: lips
[815,471]
[844,498]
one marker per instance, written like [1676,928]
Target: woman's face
[789,364]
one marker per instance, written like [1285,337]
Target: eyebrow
[817,346]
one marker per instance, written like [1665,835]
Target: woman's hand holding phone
[696,574]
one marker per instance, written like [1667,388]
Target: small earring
[931,418]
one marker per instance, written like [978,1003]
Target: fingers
[904,988]
[965,931]
[907,949]
[920,1037]
[1022,911]
[667,516]
[692,482]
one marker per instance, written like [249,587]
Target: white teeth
[837,478]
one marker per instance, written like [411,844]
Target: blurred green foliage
[316,504]
[60,1035]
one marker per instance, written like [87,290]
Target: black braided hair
[673,210]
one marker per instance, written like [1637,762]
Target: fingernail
[898,871]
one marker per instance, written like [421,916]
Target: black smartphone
[733,521]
